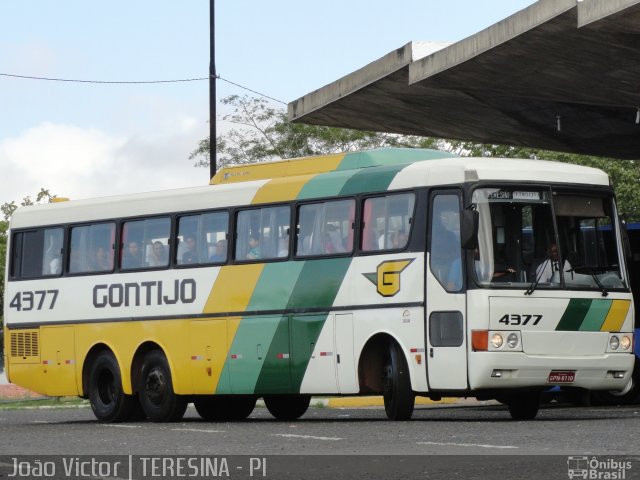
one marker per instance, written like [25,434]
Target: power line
[252,91]
[136,82]
[117,82]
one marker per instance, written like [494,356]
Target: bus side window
[445,251]
[145,243]
[325,228]
[202,238]
[387,222]
[262,233]
[37,253]
[91,248]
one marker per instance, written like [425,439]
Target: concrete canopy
[559,75]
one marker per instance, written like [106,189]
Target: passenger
[254,248]
[190,256]
[400,239]
[220,252]
[159,257]
[99,261]
[283,247]
[131,257]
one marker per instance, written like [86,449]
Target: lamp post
[212,91]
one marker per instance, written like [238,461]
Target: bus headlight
[496,340]
[512,340]
[614,343]
[625,343]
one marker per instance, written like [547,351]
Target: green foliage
[263,133]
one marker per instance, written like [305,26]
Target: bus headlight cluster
[621,343]
[505,341]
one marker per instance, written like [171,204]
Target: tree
[264,133]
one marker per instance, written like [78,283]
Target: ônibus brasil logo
[387,276]
[597,469]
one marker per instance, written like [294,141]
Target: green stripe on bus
[574,314]
[318,283]
[275,286]
[373,179]
[389,156]
[248,352]
[596,315]
[325,185]
[317,287]
[305,330]
[275,374]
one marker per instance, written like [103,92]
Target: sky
[82,140]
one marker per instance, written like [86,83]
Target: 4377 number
[38,300]
[516,319]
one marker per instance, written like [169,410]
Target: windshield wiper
[591,270]
[534,284]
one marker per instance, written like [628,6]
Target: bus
[400,272]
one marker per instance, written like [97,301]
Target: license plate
[557,376]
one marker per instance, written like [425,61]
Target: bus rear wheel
[398,397]
[155,390]
[108,401]
[524,406]
[287,407]
[220,408]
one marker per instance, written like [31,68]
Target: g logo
[387,276]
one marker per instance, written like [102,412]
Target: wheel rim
[106,387]
[156,386]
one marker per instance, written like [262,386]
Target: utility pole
[212,90]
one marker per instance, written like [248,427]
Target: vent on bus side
[25,344]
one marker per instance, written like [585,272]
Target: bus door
[445,296]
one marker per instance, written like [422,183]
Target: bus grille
[25,344]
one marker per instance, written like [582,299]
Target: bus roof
[326,163]
[350,174]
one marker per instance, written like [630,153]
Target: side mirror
[469,229]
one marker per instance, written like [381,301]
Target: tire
[398,397]
[157,398]
[630,394]
[221,408]
[524,406]
[108,401]
[287,407]
[137,413]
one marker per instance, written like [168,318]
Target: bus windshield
[546,238]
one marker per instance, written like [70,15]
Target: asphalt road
[460,432]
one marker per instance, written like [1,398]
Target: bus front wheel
[219,408]
[398,397]
[629,395]
[108,401]
[155,390]
[287,407]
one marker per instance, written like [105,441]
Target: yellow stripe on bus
[233,288]
[281,189]
[278,169]
[616,316]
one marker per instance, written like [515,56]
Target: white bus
[396,272]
